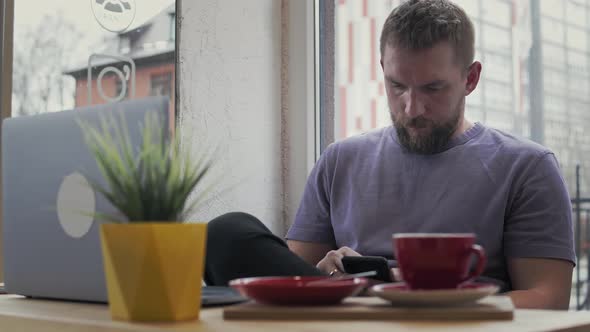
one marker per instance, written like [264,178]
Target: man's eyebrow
[435,82]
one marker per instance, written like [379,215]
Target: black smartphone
[357,264]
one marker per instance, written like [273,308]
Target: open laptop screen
[51,249]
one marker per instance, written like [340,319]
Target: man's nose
[414,107]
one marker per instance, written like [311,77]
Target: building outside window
[58,42]
[161,84]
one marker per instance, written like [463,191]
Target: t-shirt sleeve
[312,221]
[539,224]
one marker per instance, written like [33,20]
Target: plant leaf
[151,183]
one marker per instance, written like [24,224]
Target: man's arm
[540,282]
[311,252]
[539,237]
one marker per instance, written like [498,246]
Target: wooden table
[21,314]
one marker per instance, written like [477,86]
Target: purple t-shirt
[506,190]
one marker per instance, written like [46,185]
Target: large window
[505,30]
[69,54]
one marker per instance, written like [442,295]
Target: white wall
[230,95]
[246,84]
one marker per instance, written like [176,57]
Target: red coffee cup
[437,260]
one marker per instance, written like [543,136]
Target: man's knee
[231,226]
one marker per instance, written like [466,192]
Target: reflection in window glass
[553,56]
[552,8]
[475,98]
[577,38]
[577,63]
[42,49]
[555,82]
[496,12]
[120,91]
[496,38]
[476,27]
[578,87]
[552,30]
[498,96]
[498,67]
[576,12]
[161,84]
[502,119]
[74,53]
[470,6]
[554,104]
[173,26]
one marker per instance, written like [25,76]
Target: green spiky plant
[151,184]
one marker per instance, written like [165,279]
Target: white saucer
[399,294]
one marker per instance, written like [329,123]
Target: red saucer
[296,290]
[400,286]
[400,294]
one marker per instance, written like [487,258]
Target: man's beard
[434,142]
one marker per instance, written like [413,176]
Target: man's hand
[540,283]
[321,255]
[311,252]
[333,260]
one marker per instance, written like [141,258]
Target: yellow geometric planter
[154,270]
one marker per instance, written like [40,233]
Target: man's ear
[473,74]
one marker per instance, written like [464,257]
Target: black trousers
[239,245]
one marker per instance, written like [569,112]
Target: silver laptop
[51,249]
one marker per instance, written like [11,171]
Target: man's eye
[396,86]
[433,88]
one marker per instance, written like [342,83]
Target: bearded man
[432,171]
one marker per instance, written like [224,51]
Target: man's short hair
[421,24]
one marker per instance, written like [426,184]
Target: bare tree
[41,53]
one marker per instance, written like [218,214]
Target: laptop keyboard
[219,295]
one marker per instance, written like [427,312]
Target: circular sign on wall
[114,15]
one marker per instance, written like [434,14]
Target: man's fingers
[341,252]
[335,257]
[346,251]
[333,260]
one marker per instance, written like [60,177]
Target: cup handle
[481,262]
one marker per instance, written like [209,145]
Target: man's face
[426,92]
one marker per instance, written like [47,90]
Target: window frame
[325,70]
[299,100]
[6,42]
[6,54]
